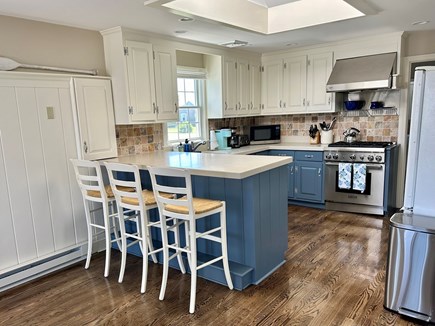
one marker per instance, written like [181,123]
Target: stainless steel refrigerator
[410,275]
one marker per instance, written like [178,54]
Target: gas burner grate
[368,144]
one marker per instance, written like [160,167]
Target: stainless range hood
[369,72]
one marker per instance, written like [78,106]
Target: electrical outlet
[50,112]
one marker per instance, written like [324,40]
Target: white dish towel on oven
[344,175]
[359,176]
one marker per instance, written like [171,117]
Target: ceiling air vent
[235,44]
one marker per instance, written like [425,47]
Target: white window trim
[197,73]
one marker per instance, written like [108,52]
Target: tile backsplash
[373,128]
[137,139]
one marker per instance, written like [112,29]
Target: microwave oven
[268,134]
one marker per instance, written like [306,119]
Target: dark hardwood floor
[334,275]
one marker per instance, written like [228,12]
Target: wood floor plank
[334,275]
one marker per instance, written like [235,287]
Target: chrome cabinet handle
[303,102]
[308,103]
[176,107]
[226,105]
[320,172]
[291,169]
[240,106]
[85,147]
[309,156]
[154,107]
[329,100]
[252,106]
[280,103]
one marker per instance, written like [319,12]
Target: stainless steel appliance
[372,154]
[410,283]
[268,134]
[410,280]
[350,135]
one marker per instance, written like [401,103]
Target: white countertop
[289,146]
[208,164]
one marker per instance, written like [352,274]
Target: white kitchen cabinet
[230,86]
[165,74]
[272,87]
[241,87]
[319,69]
[255,89]
[144,79]
[293,85]
[95,122]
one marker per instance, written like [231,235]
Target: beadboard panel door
[42,211]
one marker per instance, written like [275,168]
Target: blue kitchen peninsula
[255,189]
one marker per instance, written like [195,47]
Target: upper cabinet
[144,79]
[297,84]
[95,124]
[233,87]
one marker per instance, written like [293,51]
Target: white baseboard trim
[36,269]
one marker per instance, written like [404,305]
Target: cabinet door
[255,88]
[272,78]
[230,87]
[141,89]
[291,180]
[319,69]
[165,70]
[309,181]
[295,84]
[243,87]
[96,123]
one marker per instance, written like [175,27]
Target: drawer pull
[309,156]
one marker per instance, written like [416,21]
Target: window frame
[200,94]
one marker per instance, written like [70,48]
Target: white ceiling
[392,16]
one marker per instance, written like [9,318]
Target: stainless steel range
[373,156]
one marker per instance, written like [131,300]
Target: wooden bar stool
[90,180]
[190,209]
[135,206]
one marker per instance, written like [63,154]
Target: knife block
[316,139]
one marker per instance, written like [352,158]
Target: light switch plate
[50,112]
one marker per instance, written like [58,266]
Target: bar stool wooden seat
[190,209]
[135,206]
[90,180]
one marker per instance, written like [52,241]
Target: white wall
[31,42]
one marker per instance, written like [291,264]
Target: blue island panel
[256,225]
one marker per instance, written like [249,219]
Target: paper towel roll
[213,140]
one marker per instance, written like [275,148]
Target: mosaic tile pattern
[375,128]
[137,139]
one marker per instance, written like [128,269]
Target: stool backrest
[160,185]
[90,179]
[117,175]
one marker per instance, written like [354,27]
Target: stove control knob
[370,158]
[335,156]
[361,157]
[328,156]
[352,156]
[378,158]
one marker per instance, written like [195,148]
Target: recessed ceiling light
[180,32]
[291,44]
[235,44]
[186,19]
[421,22]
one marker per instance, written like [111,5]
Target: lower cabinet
[305,175]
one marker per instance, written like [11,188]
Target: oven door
[373,195]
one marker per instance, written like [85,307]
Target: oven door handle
[372,166]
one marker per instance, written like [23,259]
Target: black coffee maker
[233,141]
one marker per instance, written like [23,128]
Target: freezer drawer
[410,281]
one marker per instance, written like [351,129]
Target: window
[189,124]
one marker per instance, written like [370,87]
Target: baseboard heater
[35,269]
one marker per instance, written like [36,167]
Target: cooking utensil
[9,64]
[332,123]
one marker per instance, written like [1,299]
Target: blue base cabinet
[305,175]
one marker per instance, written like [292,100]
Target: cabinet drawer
[279,152]
[309,156]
